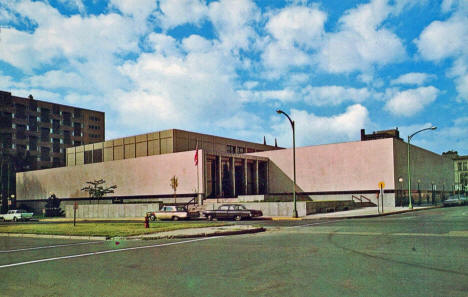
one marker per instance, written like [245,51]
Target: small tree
[96,189]
[174,185]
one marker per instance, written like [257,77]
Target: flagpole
[198,179]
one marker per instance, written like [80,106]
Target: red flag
[195,159]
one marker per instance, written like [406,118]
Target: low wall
[110,210]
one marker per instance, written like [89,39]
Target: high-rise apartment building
[34,134]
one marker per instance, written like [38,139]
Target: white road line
[106,252]
[49,247]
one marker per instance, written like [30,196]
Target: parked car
[16,215]
[232,211]
[455,200]
[172,212]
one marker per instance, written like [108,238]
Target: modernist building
[34,135]
[142,166]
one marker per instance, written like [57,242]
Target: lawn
[102,229]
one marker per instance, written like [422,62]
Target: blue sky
[224,67]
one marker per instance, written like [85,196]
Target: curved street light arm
[430,128]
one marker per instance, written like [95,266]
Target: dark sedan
[232,211]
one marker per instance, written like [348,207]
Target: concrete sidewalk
[365,212]
[202,232]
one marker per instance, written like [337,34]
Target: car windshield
[180,208]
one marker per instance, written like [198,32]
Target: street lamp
[400,180]
[409,168]
[279,111]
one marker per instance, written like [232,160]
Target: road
[415,254]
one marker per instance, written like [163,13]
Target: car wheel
[152,217]
[210,217]
[238,218]
[175,218]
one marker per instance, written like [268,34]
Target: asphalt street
[413,254]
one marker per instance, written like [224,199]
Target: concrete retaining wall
[110,210]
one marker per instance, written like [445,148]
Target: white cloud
[179,12]
[295,31]
[334,95]
[312,129]
[362,41]
[441,40]
[413,78]
[177,91]
[233,21]
[447,40]
[283,95]
[409,102]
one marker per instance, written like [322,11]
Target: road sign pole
[75,206]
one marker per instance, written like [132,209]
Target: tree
[96,189]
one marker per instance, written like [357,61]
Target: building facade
[230,168]
[35,134]
[461,174]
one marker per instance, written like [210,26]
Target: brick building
[34,135]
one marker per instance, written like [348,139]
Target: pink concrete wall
[139,176]
[426,166]
[351,166]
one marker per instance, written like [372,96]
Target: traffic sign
[381,185]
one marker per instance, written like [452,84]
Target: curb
[53,236]
[284,219]
[212,234]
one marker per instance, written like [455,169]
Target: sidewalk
[364,212]
[201,232]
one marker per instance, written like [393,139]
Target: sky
[224,67]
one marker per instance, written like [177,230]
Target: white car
[16,215]
[172,212]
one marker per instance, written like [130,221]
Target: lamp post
[410,206]
[279,111]
[400,180]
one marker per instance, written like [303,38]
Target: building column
[245,178]
[233,176]
[220,176]
[257,185]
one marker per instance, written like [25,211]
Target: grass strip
[102,229]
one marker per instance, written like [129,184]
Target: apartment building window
[66,137]
[56,126]
[5,100]
[45,153]
[240,150]
[45,115]
[45,134]
[66,118]
[250,150]
[77,129]
[32,105]
[32,122]
[465,168]
[32,143]
[5,120]
[459,166]
[21,147]
[20,111]
[56,162]
[20,131]
[76,143]
[77,114]
[56,145]
[56,109]
[6,140]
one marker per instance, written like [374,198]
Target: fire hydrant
[146,221]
